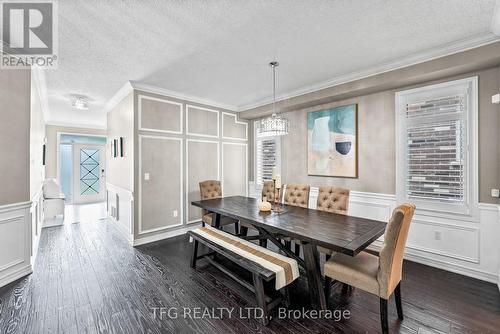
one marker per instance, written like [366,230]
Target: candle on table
[278,181]
[275,172]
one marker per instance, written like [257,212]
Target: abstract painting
[332,142]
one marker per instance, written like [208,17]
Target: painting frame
[354,169]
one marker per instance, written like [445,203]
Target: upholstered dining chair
[210,189]
[296,195]
[335,200]
[269,192]
[380,275]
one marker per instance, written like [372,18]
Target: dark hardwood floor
[87,279]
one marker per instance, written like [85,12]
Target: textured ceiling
[219,50]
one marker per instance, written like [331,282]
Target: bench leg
[194,254]
[261,297]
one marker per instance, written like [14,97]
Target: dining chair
[334,200]
[210,189]
[269,192]
[380,275]
[296,195]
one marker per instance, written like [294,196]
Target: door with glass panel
[89,182]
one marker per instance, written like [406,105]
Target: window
[267,156]
[435,146]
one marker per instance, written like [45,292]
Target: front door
[88,174]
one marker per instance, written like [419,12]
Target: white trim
[38,75]
[495,21]
[246,165]
[11,277]
[402,62]
[15,206]
[471,171]
[189,106]
[140,97]
[139,191]
[122,93]
[236,121]
[187,174]
[181,96]
[118,189]
[165,235]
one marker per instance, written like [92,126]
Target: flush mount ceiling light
[276,125]
[80,103]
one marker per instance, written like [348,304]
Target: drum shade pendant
[276,125]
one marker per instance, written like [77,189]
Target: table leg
[311,258]
[217,220]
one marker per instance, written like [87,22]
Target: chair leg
[261,297]
[383,316]
[297,249]
[263,242]
[328,286]
[194,254]
[397,296]
[243,231]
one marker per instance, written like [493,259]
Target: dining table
[311,228]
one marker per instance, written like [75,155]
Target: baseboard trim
[164,235]
[454,268]
[15,275]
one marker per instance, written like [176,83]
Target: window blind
[436,149]
[265,159]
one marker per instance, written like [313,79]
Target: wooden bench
[246,260]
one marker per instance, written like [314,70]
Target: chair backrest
[268,191]
[210,189]
[297,195]
[392,251]
[333,199]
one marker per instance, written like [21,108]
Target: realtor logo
[28,34]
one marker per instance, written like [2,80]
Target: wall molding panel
[141,97]
[141,230]
[224,156]
[16,242]
[189,132]
[123,215]
[188,141]
[236,122]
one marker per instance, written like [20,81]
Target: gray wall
[120,123]
[15,136]
[377,140]
[51,134]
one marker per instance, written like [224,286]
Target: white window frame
[435,208]
[258,186]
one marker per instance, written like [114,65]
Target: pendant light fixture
[276,125]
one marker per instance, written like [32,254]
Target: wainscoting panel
[232,128]
[15,242]
[160,190]
[120,208]
[468,247]
[202,163]
[202,122]
[159,115]
[234,169]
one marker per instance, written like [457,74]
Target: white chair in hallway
[53,199]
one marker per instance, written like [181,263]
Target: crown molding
[76,125]
[495,22]
[118,97]
[181,96]
[38,77]
[421,57]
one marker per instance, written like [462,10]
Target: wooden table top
[346,234]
